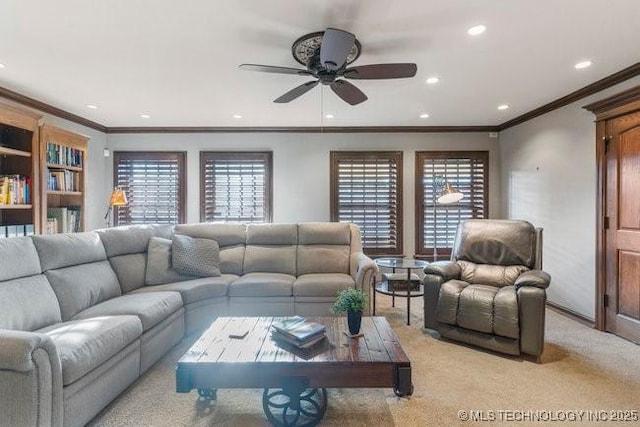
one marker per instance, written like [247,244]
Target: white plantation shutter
[366,190]
[154,184]
[235,186]
[468,172]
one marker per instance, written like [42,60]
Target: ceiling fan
[327,54]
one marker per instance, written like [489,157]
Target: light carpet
[582,372]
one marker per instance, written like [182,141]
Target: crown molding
[50,109]
[600,85]
[593,88]
[305,129]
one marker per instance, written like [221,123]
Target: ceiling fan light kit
[327,56]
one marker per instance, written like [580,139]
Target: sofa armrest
[536,278]
[446,269]
[30,379]
[363,270]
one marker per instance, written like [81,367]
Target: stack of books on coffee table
[297,331]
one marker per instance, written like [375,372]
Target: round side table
[387,288]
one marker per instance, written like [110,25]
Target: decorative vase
[354,320]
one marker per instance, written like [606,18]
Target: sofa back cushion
[126,249]
[18,258]
[81,286]
[77,268]
[66,250]
[28,303]
[231,239]
[271,248]
[323,248]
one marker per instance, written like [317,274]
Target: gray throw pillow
[197,257]
[159,269]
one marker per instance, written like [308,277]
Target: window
[236,186]
[154,183]
[366,189]
[468,172]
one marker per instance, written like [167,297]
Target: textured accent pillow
[197,257]
[159,269]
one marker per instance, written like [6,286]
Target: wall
[301,165]
[548,177]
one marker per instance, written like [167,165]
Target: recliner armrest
[446,269]
[537,278]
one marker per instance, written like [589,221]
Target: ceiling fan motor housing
[325,75]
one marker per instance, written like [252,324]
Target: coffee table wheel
[208,393]
[288,408]
[399,393]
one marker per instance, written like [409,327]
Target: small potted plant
[351,301]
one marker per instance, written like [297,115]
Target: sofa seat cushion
[321,284]
[151,308]
[480,308]
[85,344]
[262,285]
[196,289]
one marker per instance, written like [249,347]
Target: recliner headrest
[493,241]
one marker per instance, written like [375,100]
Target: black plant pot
[354,320]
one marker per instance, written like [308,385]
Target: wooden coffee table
[294,380]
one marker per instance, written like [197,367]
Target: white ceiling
[178,60]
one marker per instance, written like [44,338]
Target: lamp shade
[118,198]
[449,195]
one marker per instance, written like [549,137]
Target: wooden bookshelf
[63,158]
[19,139]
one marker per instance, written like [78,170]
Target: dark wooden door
[622,276]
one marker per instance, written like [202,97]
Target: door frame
[620,104]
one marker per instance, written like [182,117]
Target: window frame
[266,156]
[180,156]
[422,252]
[397,156]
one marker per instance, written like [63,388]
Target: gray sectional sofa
[83,315]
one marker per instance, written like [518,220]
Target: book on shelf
[298,331]
[63,155]
[16,230]
[15,190]
[63,180]
[63,219]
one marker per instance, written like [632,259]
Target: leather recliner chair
[492,292]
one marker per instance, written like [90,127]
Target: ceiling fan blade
[273,69]
[348,92]
[296,92]
[381,71]
[335,47]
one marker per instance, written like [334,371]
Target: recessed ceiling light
[237,116]
[145,116]
[433,80]
[1,66]
[503,107]
[583,64]
[424,116]
[329,116]
[91,106]
[477,30]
